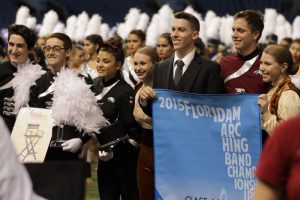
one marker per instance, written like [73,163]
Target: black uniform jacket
[202,77]
[6,91]
[117,106]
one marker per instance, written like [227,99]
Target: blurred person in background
[135,40]
[76,57]
[286,42]
[37,55]
[164,46]
[41,41]
[92,45]
[212,48]
[295,51]
[3,54]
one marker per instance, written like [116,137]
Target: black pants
[117,177]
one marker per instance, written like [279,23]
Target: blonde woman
[145,60]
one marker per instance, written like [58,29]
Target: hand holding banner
[206,146]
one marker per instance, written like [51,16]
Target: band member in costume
[92,45]
[164,46]
[136,39]
[240,71]
[117,165]
[73,104]
[18,74]
[283,100]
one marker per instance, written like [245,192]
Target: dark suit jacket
[202,76]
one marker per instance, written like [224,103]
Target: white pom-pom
[75,104]
[48,24]
[143,22]
[22,15]
[104,31]
[166,18]
[131,20]
[209,16]
[31,22]
[202,33]
[59,28]
[23,79]
[296,29]
[225,30]
[190,10]
[152,31]
[71,26]
[94,25]
[212,30]
[81,26]
[269,23]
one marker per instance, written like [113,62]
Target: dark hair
[193,21]
[141,34]
[272,38]
[67,42]
[167,36]
[200,46]
[211,42]
[288,39]
[281,55]
[2,51]
[37,55]
[151,52]
[297,40]
[95,39]
[26,33]
[254,20]
[114,46]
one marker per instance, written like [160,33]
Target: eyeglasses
[55,49]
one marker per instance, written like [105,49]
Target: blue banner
[206,146]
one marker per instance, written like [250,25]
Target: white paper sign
[32,133]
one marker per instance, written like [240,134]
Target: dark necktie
[178,72]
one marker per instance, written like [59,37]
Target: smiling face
[183,37]
[55,53]
[17,50]
[107,66]
[271,70]
[244,40]
[143,66]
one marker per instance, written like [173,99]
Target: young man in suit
[240,70]
[186,71]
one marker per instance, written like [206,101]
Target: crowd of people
[107,87]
